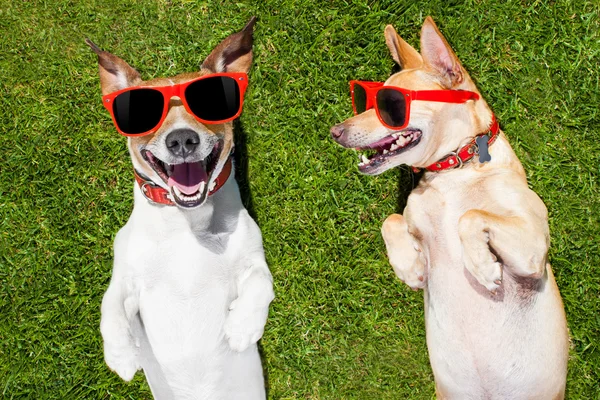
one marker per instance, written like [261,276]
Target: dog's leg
[248,313]
[404,253]
[119,306]
[521,243]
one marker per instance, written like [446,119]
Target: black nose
[337,131]
[182,142]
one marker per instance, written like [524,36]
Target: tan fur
[431,39]
[475,239]
[403,53]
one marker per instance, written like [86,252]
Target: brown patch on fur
[115,74]
[526,289]
[234,54]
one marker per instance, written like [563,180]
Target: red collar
[158,194]
[457,158]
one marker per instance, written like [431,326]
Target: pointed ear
[438,55]
[234,54]
[403,53]
[115,74]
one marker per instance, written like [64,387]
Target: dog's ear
[439,56]
[115,74]
[403,53]
[234,54]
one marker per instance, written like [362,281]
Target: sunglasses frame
[178,90]
[373,88]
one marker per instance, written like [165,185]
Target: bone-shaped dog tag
[482,145]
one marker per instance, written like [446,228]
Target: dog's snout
[182,142]
[337,131]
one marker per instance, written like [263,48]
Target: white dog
[473,235]
[190,289]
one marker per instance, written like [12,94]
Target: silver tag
[482,146]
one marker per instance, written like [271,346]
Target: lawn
[342,325]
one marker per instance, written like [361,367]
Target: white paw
[244,326]
[123,359]
[121,351]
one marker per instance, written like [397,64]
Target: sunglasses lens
[138,110]
[391,105]
[359,98]
[214,99]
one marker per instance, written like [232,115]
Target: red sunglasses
[211,99]
[392,104]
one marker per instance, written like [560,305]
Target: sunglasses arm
[444,96]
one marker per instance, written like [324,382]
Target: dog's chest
[434,208]
[433,220]
[183,265]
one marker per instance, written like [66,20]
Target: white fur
[188,299]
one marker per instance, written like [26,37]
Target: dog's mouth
[389,146]
[188,181]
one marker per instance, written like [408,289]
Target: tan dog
[475,238]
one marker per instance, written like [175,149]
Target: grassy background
[342,326]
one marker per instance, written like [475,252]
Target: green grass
[342,326]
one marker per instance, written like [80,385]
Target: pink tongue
[187,177]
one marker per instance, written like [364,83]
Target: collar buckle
[459,161]
[146,185]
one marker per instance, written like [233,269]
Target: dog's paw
[123,359]
[121,350]
[415,277]
[488,274]
[244,326]
[405,256]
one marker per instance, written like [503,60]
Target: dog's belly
[503,346]
[184,297]
[179,325]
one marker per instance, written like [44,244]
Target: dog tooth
[395,135]
[365,159]
[385,151]
[202,186]
[394,147]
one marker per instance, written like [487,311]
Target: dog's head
[183,155]
[434,128]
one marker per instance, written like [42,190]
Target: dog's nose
[182,142]
[337,131]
